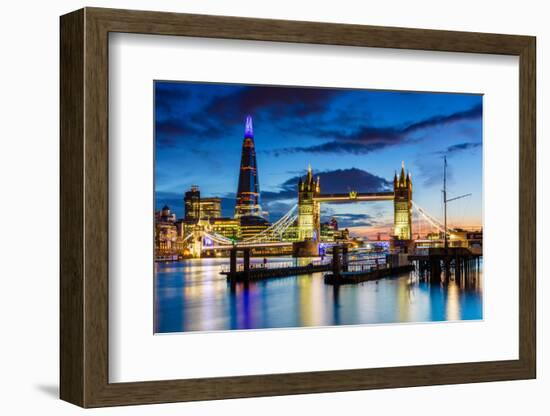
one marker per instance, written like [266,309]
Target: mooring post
[345,258]
[246,260]
[336,264]
[233,261]
[435,270]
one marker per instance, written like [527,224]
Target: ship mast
[445,201]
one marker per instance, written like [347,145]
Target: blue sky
[353,139]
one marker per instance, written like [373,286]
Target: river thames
[192,295]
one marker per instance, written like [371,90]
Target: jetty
[436,261]
[260,273]
[342,270]
[248,272]
[396,264]
[346,278]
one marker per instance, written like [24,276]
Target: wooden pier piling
[457,263]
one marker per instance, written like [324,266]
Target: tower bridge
[305,217]
[310,199]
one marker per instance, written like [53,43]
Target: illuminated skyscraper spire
[248,129]
[248,192]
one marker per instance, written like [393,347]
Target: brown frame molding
[84,207]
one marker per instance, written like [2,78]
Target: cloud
[181,115]
[168,96]
[431,168]
[169,130]
[473,113]
[184,114]
[367,139]
[173,126]
[333,147]
[278,101]
[456,148]
[333,181]
[372,231]
[348,220]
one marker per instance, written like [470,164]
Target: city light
[249,227]
[331,237]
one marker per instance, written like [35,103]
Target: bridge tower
[402,203]
[196,245]
[309,216]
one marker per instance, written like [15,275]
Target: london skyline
[354,139]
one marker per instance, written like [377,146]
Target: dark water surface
[191,295]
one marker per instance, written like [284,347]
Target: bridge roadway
[355,196]
[249,245]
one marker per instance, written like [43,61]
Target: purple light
[248,130]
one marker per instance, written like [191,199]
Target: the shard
[248,192]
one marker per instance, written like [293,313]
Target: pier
[344,272]
[346,278]
[247,272]
[260,273]
[438,262]
[455,262]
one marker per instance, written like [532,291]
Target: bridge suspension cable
[188,237]
[433,221]
[276,230]
[272,234]
[220,239]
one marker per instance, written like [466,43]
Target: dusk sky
[354,139]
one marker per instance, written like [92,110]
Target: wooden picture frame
[84,207]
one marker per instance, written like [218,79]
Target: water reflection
[192,296]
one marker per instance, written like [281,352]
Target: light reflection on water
[191,295]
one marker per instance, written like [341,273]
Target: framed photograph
[256,207]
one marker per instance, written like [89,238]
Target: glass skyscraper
[248,191]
